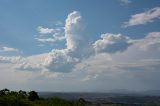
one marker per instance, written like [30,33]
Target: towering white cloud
[75,38]
[144,17]
[77,41]
[76,46]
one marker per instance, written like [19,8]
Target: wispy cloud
[50,35]
[8,49]
[51,40]
[59,23]
[125,2]
[144,17]
[44,30]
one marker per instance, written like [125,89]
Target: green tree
[4,91]
[33,96]
[22,93]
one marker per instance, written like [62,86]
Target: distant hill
[152,92]
[137,93]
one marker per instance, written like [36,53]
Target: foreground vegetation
[23,98]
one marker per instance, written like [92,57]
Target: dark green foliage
[22,98]
[33,96]
[4,92]
[23,94]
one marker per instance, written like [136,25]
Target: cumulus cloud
[79,54]
[8,49]
[114,59]
[60,61]
[79,48]
[111,43]
[64,60]
[31,63]
[94,59]
[20,63]
[144,17]
[77,42]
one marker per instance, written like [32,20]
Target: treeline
[23,98]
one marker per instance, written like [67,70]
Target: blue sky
[57,40]
[19,19]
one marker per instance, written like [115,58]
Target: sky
[79,45]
